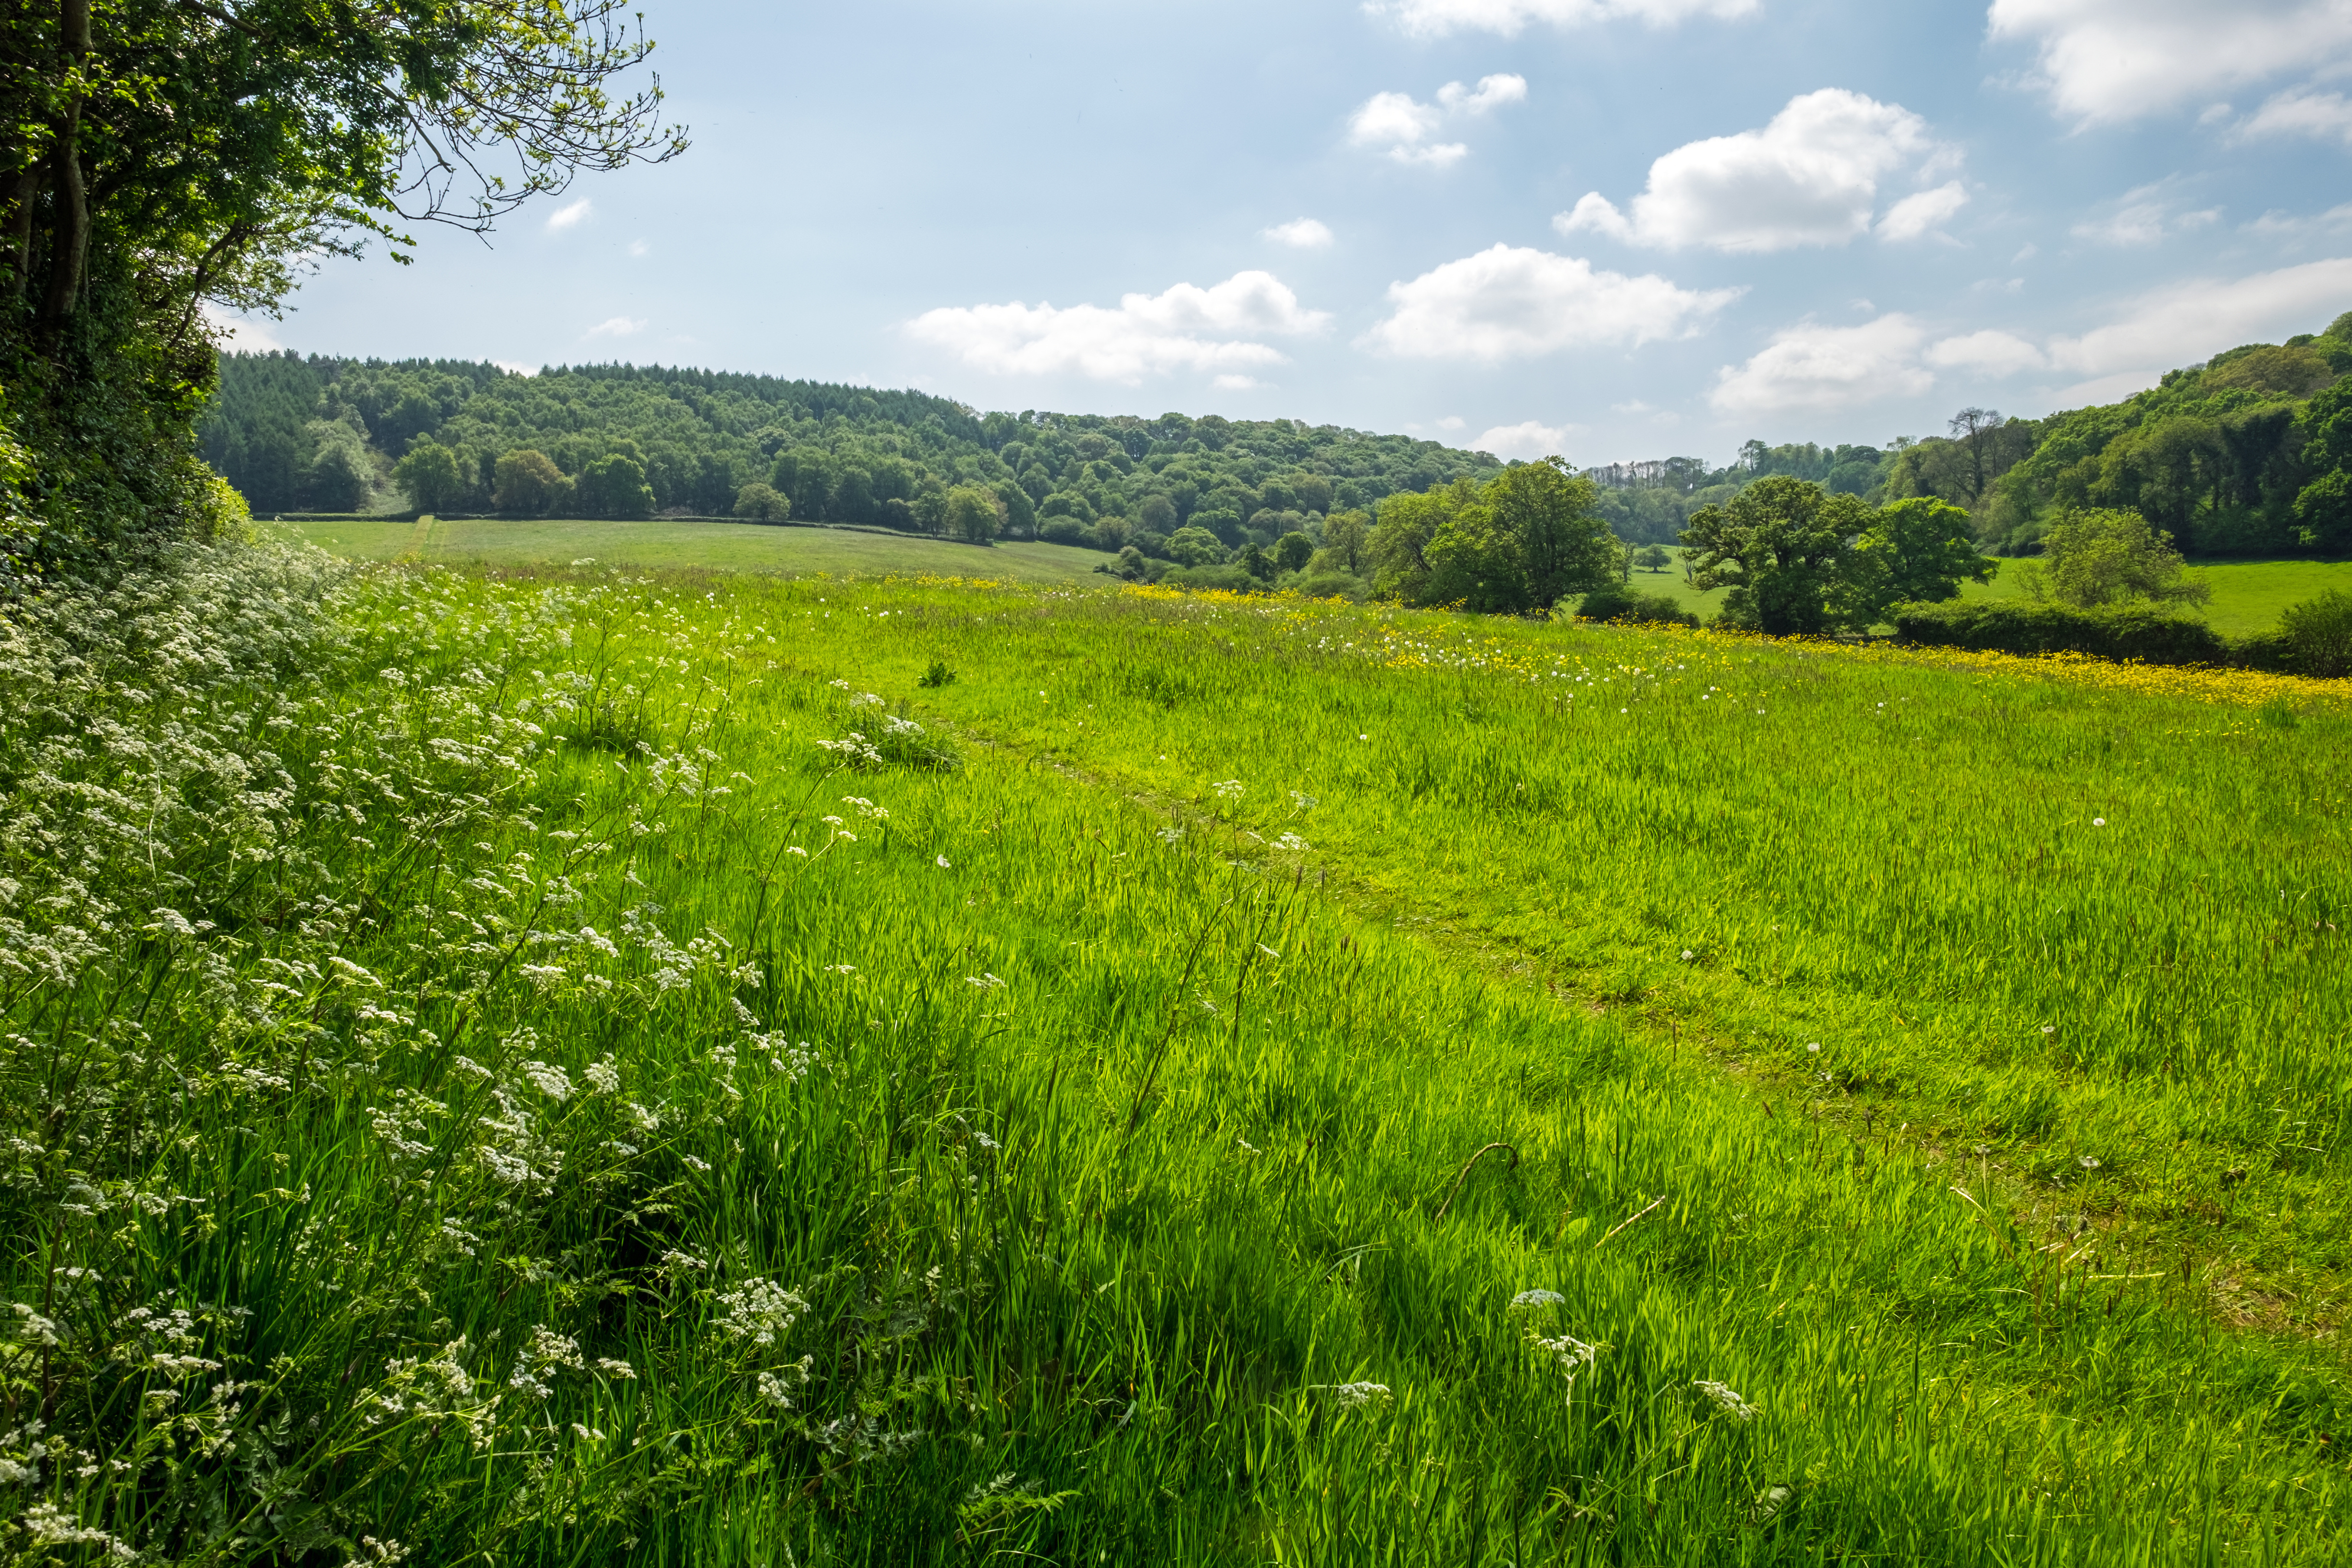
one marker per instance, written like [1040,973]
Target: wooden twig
[1628,1219]
[1464,1176]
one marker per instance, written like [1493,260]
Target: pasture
[711,1066]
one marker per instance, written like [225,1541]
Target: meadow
[670,543]
[2247,594]
[585,1064]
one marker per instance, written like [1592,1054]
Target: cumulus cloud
[2183,323]
[1531,438]
[2112,60]
[1187,328]
[1994,353]
[2148,216]
[570,216]
[1810,367]
[1809,177]
[617,327]
[2301,111]
[1433,18]
[1408,128]
[1512,302]
[1301,233]
[1923,213]
[1237,383]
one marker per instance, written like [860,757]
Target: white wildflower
[1725,1401]
[759,1310]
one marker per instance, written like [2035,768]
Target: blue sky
[1611,228]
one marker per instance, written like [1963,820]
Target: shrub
[1230,577]
[1618,603]
[2318,632]
[2121,631]
[1328,584]
[1063,530]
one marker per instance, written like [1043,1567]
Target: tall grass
[521,1084]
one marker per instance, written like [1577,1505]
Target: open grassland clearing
[2247,594]
[606,1067]
[665,543]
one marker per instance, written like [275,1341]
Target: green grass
[665,543]
[2247,594]
[1102,1124]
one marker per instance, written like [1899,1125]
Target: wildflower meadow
[589,1067]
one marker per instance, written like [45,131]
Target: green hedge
[2121,631]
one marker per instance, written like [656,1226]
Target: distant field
[2247,594]
[719,546]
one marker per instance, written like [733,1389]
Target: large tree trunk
[69,251]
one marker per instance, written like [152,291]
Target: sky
[1611,229]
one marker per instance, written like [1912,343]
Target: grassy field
[2247,594]
[666,543]
[699,1068]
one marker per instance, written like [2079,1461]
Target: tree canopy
[159,155]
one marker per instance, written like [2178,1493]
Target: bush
[1063,530]
[2121,631]
[2318,632]
[1616,603]
[1328,585]
[1233,579]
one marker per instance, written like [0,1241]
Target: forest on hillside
[2247,453]
[318,434]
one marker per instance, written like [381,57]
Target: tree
[338,480]
[430,475]
[2320,632]
[1780,546]
[2103,555]
[1653,558]
[528,484]
[1293,551]
[2322,510]
[1157,513]
[161,154]
[1195,547]
[1973,429]
[1918,549]
[1551,515]
[614,486]
[1256,562]
[1344,537]
[762,503]
[973,514]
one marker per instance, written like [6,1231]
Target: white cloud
[1187,328]
[1491,93]
[1407,127]
[1237,383]
[241,334]
[516,367]
[1451,422]
[2302,111]
[1809,177]
[638,247]
[2185,322]
[1988,353]
[1531,439]
[2111,60]
[1301,233]
[1428,18]
[1513,301]
[1815,367]
[1929,210]
[2280,223]
[570,216]
[617,327]
[2147,215]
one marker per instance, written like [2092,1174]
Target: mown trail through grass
[582,1118]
